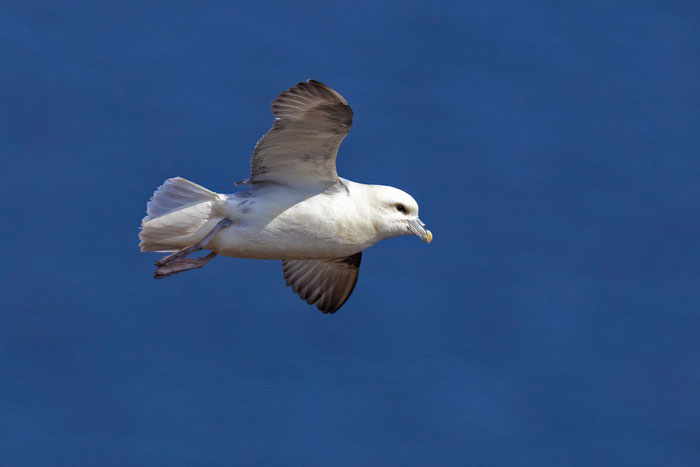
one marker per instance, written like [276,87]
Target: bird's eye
[401,208]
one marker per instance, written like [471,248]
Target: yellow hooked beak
[417,228]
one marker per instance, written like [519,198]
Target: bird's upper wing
[311,120]
[327,283]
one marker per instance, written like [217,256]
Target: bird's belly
[290,243]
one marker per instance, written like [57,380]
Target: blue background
[553,148]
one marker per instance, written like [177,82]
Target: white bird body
[279,222]
[296,210]
[282,223]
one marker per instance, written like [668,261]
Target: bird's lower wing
[326,283]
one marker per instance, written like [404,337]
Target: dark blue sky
[553,148]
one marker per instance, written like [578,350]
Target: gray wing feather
[311,120]
[326,283]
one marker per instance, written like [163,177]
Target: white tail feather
[179,214]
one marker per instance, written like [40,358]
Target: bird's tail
[179,214]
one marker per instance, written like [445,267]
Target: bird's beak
[417,228]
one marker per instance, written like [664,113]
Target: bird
[294,207]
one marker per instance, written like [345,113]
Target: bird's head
[396,213]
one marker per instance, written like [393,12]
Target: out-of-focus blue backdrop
[553,148]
